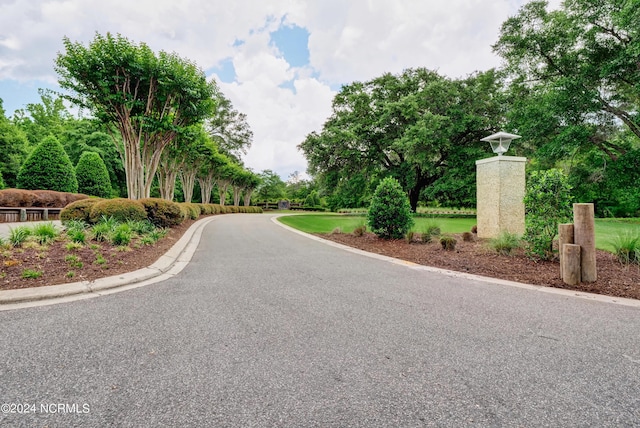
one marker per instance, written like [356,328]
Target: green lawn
[326,223]
[607,230]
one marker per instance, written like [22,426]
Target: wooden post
[565,236]
[584,234]
[571,264]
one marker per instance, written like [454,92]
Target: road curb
[167,265]
[558,291]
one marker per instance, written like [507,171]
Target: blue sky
[280,62]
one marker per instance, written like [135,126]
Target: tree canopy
[148,98]
[416,127]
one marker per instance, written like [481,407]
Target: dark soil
[50,260]
[476,257]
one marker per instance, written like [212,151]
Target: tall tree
[229,128]
[575,73]
[13,142]
[148,98]
[414,126]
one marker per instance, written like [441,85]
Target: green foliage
[2,186]
[192,211]
[78,211]
[13,149]
[73,261]
[627,248]
[418,127]
[389,214]
[161,95]
[548,202]
[119,209]
[92,175]
[312,200]
[121,235]
[505,243]
[162,213]
[31,274]
[48,167]
[18,235]
[45,233]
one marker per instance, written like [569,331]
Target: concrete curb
[168,265]
[558,291]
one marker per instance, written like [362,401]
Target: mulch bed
[55,269]
[614,279]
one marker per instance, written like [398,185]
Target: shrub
[17,198]
[626,247]
[101,231]
[93,176]
[505,243]
[192,210]
[122,235]
[410,236]
[389,214]
[141,227]
[448,242]
[467,236]
[18,235]
[161,212]
[45,232]
[547,203]
[48,167]
[312,200]
[53,199]
[1,182]
[360,230]
[120,209]
[474,229]
[79,210]
[432,229]
[77,235]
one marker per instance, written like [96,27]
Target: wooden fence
[15,215]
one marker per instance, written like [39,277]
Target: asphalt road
[268,328]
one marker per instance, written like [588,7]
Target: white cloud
[354,40]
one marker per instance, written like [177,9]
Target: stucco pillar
[500,186]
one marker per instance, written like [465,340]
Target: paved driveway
[269,328]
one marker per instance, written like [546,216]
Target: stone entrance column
[500,189]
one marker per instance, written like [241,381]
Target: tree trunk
[206,187]
[222,191]
[247,197]
[237,190]
[188,180]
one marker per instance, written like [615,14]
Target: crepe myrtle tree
[149,98]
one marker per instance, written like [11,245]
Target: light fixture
[500,142]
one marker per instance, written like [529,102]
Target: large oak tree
[418,127]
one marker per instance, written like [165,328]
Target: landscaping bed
[59,265]
[614,278]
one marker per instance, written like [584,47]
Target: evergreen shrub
[120,209]
[192,210]
[161,212]
[48,167]
[93,176]
[79,210]
[389,214]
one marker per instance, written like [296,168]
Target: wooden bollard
[584,235]
[570,262]
[565,236]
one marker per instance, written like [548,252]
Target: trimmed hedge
[19,198]
[192,210]
[120,209]
[48,167]
[79,210]
[93,176]
[161,212]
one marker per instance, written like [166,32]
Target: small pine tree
[93,177]
[389,214]
[48,168]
